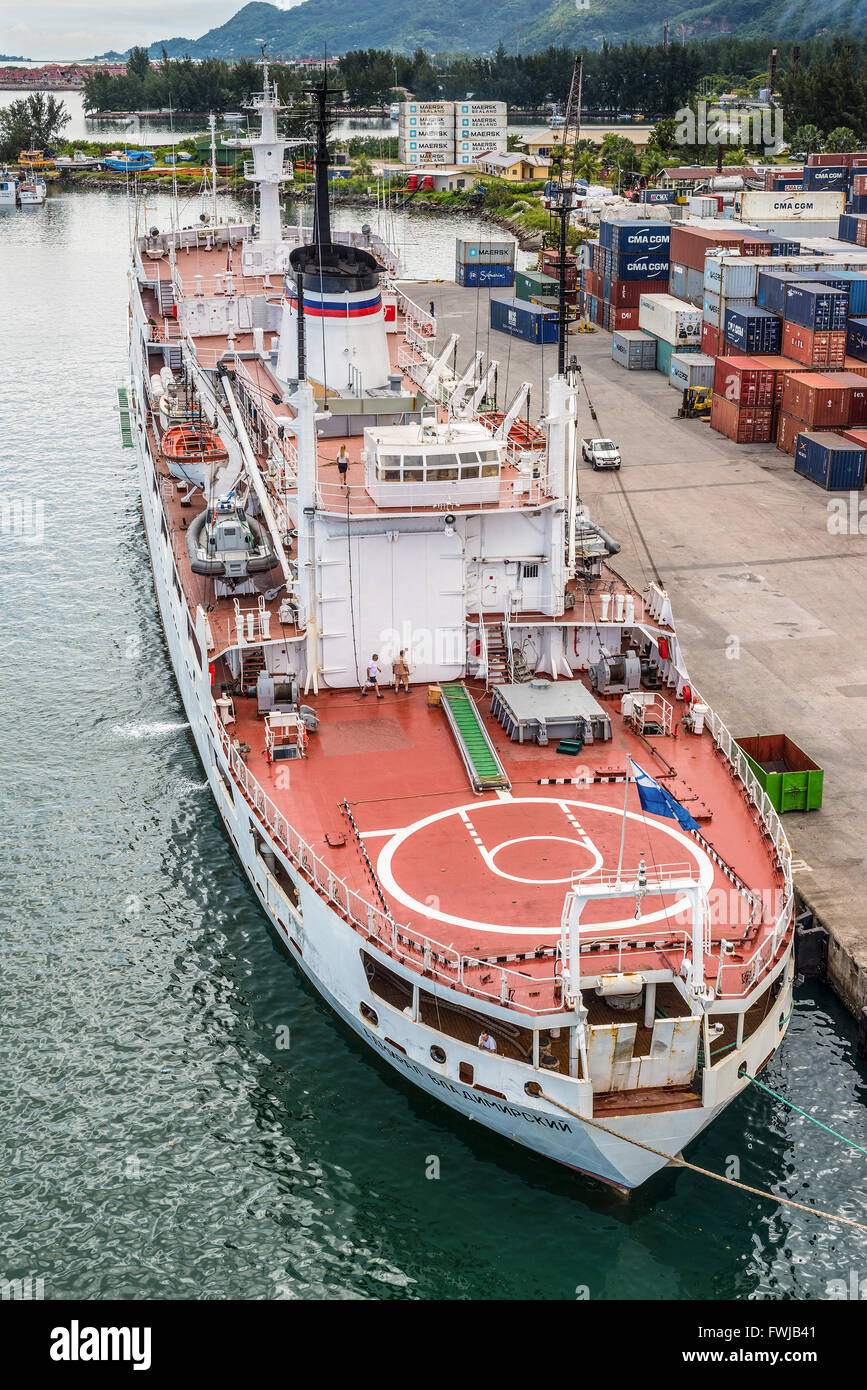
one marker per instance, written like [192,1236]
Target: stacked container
[856,339]
[484,262]
[631,257]
[749,329]
[426,132]
[749,424]
[814,327]
[688,370]
[480,127]
[675,325]
[531,322]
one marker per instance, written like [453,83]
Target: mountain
[311,27]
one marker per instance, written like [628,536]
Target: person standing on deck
[343,464]
[373,674]
[400,672]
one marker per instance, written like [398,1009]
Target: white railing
[483,979]
[271,176]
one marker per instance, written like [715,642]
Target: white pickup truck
[602,453]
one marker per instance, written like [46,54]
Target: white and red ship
[543,884]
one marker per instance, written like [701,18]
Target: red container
[819,400]
[812,348]
[854,437]
[779,366]
[742,381]
[855,366]
[623,318]
[744,424]
[859,185]
[600,312]
[710,340]
[690,245]
[788,429]
[855,389]
[833,159]
[626,294]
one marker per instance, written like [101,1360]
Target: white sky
[75,29]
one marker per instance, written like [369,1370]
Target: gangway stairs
[485,770]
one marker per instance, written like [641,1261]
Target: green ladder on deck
[480,757]
[123,416]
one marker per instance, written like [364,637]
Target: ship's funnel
[344,340]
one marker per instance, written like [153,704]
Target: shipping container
[833,463]
[620,318]
[488,252]
[658,195]
[690,369]
[807,206]
[530,284]
[710,340]
[786,433]
[665,351]
[714,309]
[531,322]
[634,350]
[854,365]
[752,330]
[494,276]
[673,319]
[638,237]
[781,368]
[638,265]
[855,387]
[689,245]
[855,436]
[820,401]
[744,381]
[732,276]
[813,349]
[856,339]
[816,307]
[626,294]
[849,159]
[830,176]
[744,424]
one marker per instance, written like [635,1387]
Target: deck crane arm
[472,405]
[438,366]
[456,399]
[521,395]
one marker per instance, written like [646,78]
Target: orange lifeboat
[193,444]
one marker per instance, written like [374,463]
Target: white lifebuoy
[427,330]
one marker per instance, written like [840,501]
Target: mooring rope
[762,1087]
[705,1172]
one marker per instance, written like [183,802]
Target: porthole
[368,1014]
[437,1054]
[533,1088]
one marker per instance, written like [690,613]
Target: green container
[531,284]
[791,780]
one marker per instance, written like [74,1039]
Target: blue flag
[658,801]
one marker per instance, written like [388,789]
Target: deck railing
[484,979]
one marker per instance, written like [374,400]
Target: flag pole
[623,830]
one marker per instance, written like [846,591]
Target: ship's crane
[467,381]
[468,411]
[519,400]
[438,366]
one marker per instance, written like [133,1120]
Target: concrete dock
[769,598]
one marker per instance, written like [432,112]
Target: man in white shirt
[487,1042]
[373,674]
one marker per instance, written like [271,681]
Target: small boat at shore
[130,161]
[8,189]
[32,192]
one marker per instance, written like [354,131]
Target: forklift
[696,403]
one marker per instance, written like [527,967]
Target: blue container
[495,276]
[752,330]
[846,230]
[853,283]
[590,306]
[771,289]
[858,206]
[641,265]
[815,307]
[522,320]
[605,234]
[664,351]
[830,176]
[856,339]
[832,462]
[640,237]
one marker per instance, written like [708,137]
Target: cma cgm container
[834,463]
[672,319]
[816,307]
[750,424]
[531,322]
[816,399]
[813,349]
[744,381]
[690,369]
[752,330]
[832,176]
[856,339]
[639,265]
[494,276]
[636,236]
[634,350]
[665,351]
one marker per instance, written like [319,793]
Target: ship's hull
[330,954]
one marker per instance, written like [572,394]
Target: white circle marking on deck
[474,808]
[491,854]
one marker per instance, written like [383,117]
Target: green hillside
[313,27]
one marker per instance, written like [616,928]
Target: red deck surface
[488,874]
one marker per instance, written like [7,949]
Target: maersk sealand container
[495,276]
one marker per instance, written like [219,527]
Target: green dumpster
[791,780]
